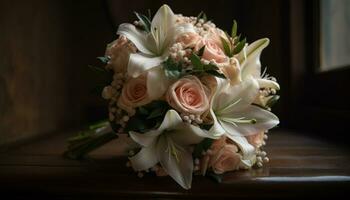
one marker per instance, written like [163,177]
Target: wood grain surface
[299,166]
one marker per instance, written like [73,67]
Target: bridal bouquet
[191,97]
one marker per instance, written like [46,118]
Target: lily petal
[139,63]
[248,150]
[156,76]
[145,139]
[163,18]
[236,97]
[179,164]
[249,58]
[136,36]
[265,83]
[264,120]
[162,22]
[216,130]
[187,134]
[144,159]
[171,120]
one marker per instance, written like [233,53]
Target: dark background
[46,46]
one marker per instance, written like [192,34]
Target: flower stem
[88,141]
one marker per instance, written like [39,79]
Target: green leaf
[196,62]
[239,46]
[272,101]
[170,64]
[88,140]
[147,117]
[80,136]
[200,68]
[205,126]
[158,109]
[98,124]
[97,69]
[158,112]
[210,67]
[200,15]
[204,145]
[172,69]
[146,23]
[227,48]
[230,41]
[104,59]
[216,73]
[143,111]
[156,104]
[215,177]
[234,29]
[136,123]
[204,17]
[237,38]
[78,149]
[201,51]
[172,74]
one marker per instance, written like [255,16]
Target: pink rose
[257,139]
[188,95]
[212,51]
[227,159]
[134,94]
[160,171]
[119,52]
[189,40]
[216,34]
[217,145]
[206,160]
[221,157]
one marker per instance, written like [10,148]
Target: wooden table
[299,166]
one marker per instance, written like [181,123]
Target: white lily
[249,59]
[235,116]
[169,146]
[153,47]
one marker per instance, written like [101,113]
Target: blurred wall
[45,47]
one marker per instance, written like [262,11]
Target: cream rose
[189,40]
[119,52]
[227,159]
[134,94]
[188,96]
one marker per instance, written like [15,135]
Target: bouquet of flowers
[191,97]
